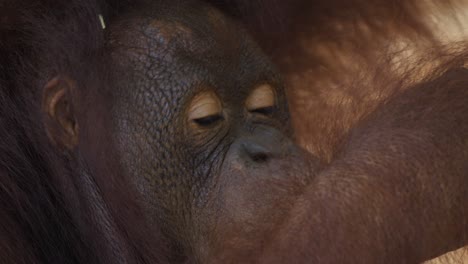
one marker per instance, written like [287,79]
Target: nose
[263,145]
[257,152]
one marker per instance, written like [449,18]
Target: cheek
[149,161]
[143,132]
[134,153]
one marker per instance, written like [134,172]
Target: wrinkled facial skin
[202,179]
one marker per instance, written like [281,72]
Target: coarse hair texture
[45,218]
[343,59]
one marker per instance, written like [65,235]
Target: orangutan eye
[205,109]
[209,120]
[261,100]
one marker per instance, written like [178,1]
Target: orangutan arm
[398,191]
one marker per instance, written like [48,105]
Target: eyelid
[205,109]
[261,100]
[264,110]
[208,120]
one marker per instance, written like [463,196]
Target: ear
[59,112]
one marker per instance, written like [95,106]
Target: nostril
[257,153]
[259,157]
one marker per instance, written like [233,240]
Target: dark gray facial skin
[203,182]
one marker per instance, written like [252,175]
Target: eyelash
[267,111]
[213,119]
[208,120]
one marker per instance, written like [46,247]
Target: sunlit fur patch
[343,76]
[458,256]
[358,68]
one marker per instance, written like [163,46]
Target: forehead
[181,48]
[195,30]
